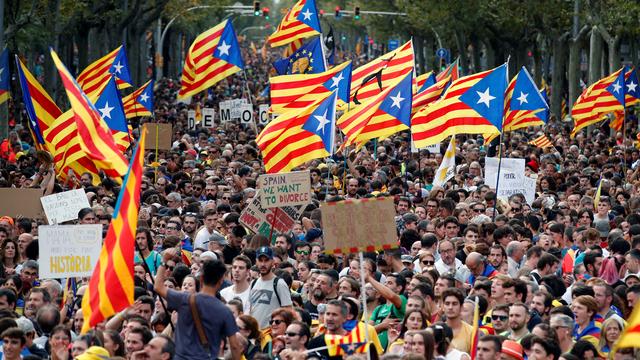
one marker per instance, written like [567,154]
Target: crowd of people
[553,279]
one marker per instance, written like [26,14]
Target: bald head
[473,259]
[515,250]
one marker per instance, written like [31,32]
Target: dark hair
[404,329]
[169,346]
[495,339]
[116,339]
[304,330]
[551,348]
[144,332]
[14,333]
[10,295]
[212,272]
[455,292]
[147,233]
[84,212]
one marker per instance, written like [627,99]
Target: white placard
[208,116]
[522,185]
[225,111]
[263,114]
[64,206]
[68,250]
[433,149]
[285,189]
[246,114]
[510,169]
[236,108]
[191,119]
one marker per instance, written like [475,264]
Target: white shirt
[444,268]
[229,293]
[202,236]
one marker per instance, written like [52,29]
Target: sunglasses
[276,322]
[292,334]
[303,252]
[499,317]
[428,262]
[478,210]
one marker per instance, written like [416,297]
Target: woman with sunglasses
[280,319]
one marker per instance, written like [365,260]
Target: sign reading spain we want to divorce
[68,250]
[285,189]
[259,219]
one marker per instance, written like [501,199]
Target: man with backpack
[268,292]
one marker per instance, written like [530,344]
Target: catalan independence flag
[473,104]
[630,336]
[289,92]
[602,97]
[632,97]
[372,78]
[50,131]
[109,106]
[5,77]
[430,94]
[425,81]
[309,59]
[93,77]
[298,136]
[139,102]
[110,287]
[524,106]
[214,55]
[95,138]
[354,341]
[383,115]
[299,23]
[541,142]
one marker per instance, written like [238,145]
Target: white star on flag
[616,87]
[336,80]
[397,100]
[105,112]
[485,97]
[630,86]
[144,97]
[224,48]
[523,98]
[307,14]
[118,67]
[322,121]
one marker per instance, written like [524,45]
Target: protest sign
[522,185]
[246,114]
[64,206]
[433,149]
[158,136]
[236,108]
[359,225]
[259,219]
[225,111]
[68,250]
[285,189]
[510,169]
[208,115]
[263,114]
[191,119]
[21,202]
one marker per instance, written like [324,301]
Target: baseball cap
[94,353]
[217,237]
[264,251]
[407,259]
[25,325]
[209,255]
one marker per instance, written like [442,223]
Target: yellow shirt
[462,338]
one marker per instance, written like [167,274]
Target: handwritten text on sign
[69,250]
[259,219]
[64,206]
[285,189]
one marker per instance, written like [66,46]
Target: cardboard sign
[259,219]
[68,250]
[359,225]
[191,119]
[246,114]
[263,114]
[510,169]
[225,111]
[285,189]
[21,202]
[64,206]
[523,185]
[208,115]
[159,136]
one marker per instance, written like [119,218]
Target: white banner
[64,206]
[191,119]
[208,116]
[263,114]
[68,250]
[510,169]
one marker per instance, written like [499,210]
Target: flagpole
[363,296]
[624,143]
[495,204]
[246,85]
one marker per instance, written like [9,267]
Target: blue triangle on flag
[109,106]
[146,97]
[486,97]
[228,48]
[120,67]
[322,122]
[309,15]
[617,87]
[398,101]
[342,82]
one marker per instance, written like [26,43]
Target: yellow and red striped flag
[602,97]
[632,97]
[95,137]
[111,286]
[139,102]
[475,334]
[425,81]
[292,47]
[300,22]
[214,55]
[93,77]
[298,136]
[381,116]
[541,141]
[45,124]
[355,341]
[374,77]
[430,94]
[296,91]
[473,104]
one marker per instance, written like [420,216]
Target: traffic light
[356,13]
[337,11]
[265,12]
[256,8]
[443,64]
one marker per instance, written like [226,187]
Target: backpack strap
[275,289]
[198,323]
